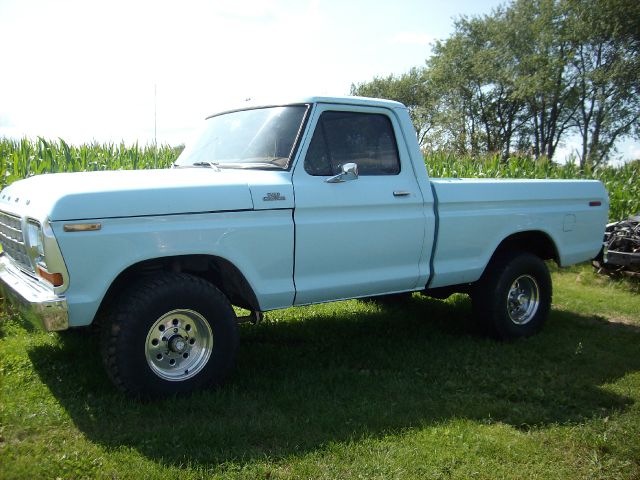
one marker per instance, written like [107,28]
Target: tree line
[525,77]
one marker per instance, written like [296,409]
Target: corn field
[622,183]
[24,158]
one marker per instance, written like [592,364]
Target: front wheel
[513,297]
[169,335]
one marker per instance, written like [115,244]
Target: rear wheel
[169,335]
[513,297]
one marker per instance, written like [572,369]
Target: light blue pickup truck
[289,203]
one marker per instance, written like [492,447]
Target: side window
[343,137]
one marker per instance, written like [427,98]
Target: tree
[476,88]
[538,52]
[409,88]
[525,77]
[606,63]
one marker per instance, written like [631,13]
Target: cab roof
[342,100]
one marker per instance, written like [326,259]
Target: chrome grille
[12,239]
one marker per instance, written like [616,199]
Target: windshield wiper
[265,163]
[250,165]
[275,160]
[206,164]
[213,165]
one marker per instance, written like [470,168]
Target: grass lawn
[349,390]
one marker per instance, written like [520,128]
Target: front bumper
[37,303]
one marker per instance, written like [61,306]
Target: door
[363,235]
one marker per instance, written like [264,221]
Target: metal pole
[155,125]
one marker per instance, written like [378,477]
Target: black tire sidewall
[506,269]
[152,299]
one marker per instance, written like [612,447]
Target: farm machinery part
[621,249]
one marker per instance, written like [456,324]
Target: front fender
[258,243]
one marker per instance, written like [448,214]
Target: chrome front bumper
[37,303]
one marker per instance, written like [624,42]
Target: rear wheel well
[216,270]
[535,242]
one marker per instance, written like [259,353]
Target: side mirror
[349,171]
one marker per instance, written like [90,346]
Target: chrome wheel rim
[523,299]
[178,345]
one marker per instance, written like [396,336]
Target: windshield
[259,138]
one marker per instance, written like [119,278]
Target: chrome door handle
[401,193]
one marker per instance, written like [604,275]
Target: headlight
[35,241]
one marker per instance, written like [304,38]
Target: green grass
[349,390]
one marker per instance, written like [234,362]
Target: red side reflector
[53,278]
[595,204]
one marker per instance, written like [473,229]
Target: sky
[142,70]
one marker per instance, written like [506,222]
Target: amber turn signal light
[54,279]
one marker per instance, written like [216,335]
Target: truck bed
[483,212]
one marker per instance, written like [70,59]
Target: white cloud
[247,9]
[412,38]
[633,152]
[86,69]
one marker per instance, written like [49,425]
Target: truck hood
[92,195]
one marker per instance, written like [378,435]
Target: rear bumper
[624,259]
[37,303]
